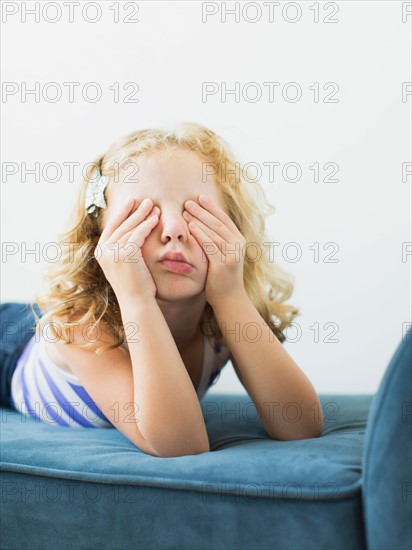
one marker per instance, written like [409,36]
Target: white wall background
[169,53]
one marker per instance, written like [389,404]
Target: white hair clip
[95,193]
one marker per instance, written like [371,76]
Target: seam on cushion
[345,493]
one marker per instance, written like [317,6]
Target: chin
[176,292]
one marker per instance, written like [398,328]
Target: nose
[173,226]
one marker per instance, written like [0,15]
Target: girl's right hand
[119,254]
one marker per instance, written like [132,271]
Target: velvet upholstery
[387,489]
[93,489]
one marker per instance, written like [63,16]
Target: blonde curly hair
[78,286]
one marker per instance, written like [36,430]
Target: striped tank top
[47,393]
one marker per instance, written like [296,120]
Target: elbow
[311,434]
[294,437]
[163,443]
[174,449]
[307,428]
[187,453]
[175,453]
[310,431]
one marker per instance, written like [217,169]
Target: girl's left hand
[223,245]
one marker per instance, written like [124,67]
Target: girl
[157,289]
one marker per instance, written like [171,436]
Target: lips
[174,256]
[176,262]
[177,267]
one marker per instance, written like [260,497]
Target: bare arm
[168,411]
[284,397]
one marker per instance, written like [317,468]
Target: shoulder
[81,333]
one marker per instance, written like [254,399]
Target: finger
[210,247]
[150,218]
[116,220]
[204,230]
[125,221]
[140,233]
[229,240]
[215,218]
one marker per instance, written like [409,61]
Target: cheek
[147,250]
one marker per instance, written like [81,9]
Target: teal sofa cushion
[92,488]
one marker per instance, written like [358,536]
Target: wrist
[229,300]
[140,303]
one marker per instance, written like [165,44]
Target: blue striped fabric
[42,390]
[49,394]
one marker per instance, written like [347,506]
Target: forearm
[168,412]
[284,397]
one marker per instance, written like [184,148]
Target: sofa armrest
[387,456]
